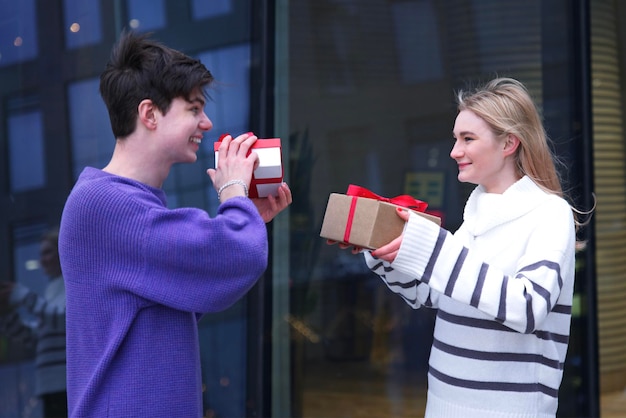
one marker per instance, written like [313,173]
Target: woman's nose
[456,152]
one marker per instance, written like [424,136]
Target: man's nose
[205,123]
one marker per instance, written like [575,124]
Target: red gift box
[268,176]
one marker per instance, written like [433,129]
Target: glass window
[92,138]
[18,396]
[26,150]
[83,24]
[146,15]
[27,240]
[201,9]
[79,119]
[418,44]
[228,106]
[224,365]
[373,105]
[18,31]
[497,55]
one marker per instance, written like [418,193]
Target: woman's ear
[511,143]
[147,114]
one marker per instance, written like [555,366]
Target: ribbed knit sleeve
[180,258]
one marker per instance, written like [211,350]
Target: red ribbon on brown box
[404,200]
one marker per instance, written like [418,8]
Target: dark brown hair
[141,68]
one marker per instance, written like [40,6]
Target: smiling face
[481,157]
[182,128]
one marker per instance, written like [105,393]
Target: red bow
[404,200]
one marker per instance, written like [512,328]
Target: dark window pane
[92,139]
[146,15]
[202,9]
[18,32]
[416,37]
[26,151]
[82,23]
[28,271]
[230,107]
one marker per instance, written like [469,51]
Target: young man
[139,275]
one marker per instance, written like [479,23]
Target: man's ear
[147,114]
[511,143]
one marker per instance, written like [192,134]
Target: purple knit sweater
[138,275]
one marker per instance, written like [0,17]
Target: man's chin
[190,159]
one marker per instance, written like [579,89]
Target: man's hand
[271,206]
[235,163]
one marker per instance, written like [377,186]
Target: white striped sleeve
[414,292]
[520,301]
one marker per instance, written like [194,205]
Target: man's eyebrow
[198,100]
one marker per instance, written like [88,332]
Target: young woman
[503,283]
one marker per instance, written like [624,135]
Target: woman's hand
[388,252]
[271,206]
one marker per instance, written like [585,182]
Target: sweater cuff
[418,243]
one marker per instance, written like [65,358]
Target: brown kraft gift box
[374,222]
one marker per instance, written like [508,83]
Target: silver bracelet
[232,183]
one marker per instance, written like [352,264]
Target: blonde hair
[507,108]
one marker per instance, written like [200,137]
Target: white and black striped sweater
[47,332]
[503,286]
